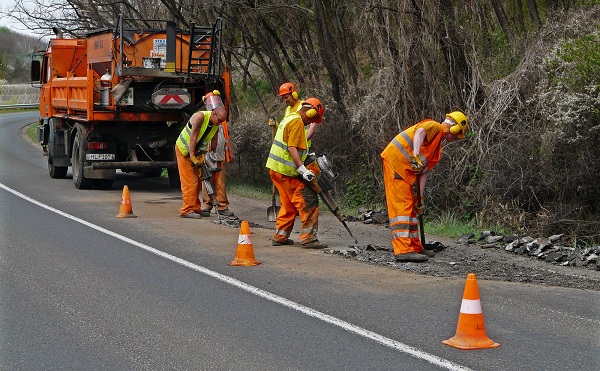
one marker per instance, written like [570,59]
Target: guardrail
[15,106]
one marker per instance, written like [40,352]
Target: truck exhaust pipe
[171,47]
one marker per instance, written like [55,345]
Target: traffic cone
[244,256]
[125,211]
[470,331]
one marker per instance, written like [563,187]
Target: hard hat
[460,124]
[288,88]
[212,100]
[316,109]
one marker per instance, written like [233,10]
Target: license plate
[99,156]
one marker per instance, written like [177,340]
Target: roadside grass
[31,132]
[249,191]
[450,225]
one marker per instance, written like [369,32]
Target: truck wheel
[77,165]
[56,172]
[174,180]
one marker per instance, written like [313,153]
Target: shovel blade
[272,212]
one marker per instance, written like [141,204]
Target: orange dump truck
[118,98]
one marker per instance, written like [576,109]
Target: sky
[7,22]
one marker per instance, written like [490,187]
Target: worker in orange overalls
[221,146]
[190,147]
[288,173]
[411,154]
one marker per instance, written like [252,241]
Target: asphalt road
[80,289]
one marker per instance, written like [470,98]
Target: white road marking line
[433,359]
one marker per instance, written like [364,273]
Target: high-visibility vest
[280,159]
[204,135]
[400,149]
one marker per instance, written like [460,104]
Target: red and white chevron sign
[171,98]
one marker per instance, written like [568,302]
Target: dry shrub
[506,215]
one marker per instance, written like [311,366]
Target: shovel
[273,210]
[433,245]
[420,217]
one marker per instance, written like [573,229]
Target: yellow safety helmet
[460,124]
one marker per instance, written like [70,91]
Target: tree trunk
[534,14]
[503,20]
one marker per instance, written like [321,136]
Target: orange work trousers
[295,197]
[190,184]
[218,183]
[404,224]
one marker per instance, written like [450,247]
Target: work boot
[427,253]
[192,215]
[226,212]
[205,213]
[316,244]
[282,243]
[411,257]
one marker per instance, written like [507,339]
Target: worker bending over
[411,154]
[190,148]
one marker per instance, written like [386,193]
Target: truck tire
[56,172]
[80,181]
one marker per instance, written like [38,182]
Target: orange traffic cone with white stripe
[125,210]
[244,256]
[470,331]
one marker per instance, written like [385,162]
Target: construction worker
[221,147]
[411,154]
[288,173]
[289,94]
[190,148]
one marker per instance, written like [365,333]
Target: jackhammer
[321,184]
[204,173]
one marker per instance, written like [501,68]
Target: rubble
[547,249]
[544,249]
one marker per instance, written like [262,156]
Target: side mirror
[36,71]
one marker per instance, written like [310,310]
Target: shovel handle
[273,126]
[420,217]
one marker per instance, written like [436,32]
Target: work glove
[419,209]
[306,174]
[197,161]
[416,164]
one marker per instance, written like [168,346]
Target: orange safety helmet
[288,88]
[316,109]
